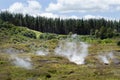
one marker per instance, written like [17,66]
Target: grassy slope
[36,32]
[58,68]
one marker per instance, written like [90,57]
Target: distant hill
[64,26]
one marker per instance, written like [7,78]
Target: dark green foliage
[5,25]
[118,43]
[18,38]
[62,36]
[48,36]
[29,34]
[104,33]
[1,21]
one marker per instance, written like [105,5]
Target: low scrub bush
[118,43]
[29,34]
[48,36]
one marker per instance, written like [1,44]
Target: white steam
[22,62]
[12,51]
[75,51]
[74,35]
[106,58]
[16,60]
[42,52]
[110,55]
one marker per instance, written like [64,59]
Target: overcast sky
[109,9]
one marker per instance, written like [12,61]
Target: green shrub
[6,25]
[23,31]
[107,41]
[118,43]
[29,34]
[48,36]
[62,37]
[1,21]
[104,33]
[18,38]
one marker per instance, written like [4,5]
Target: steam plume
[42,52]
[22,62]
[74,51]
[106,58]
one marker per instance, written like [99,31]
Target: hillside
[100,28]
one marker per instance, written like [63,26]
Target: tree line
[99,27]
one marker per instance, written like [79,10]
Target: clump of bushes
[104,32]
[29,34]
[62,37]
[24,32]
[48,36]
[11,30]
[18,38]
[104,41]
[118,43]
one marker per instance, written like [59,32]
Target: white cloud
[98,17]
[32,7]
[92,17]
[16,7]
[83,5]
[49,15]
[74,17]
